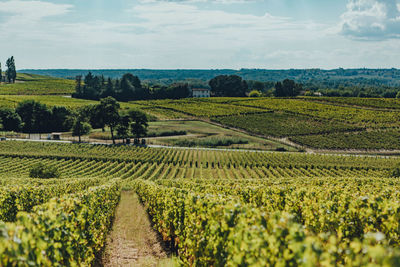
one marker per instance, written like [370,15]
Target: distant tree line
[365,91]
[10,73]
[234,86]
[128,88]
[33,117]
[323,79]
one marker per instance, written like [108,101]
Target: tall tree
[287,88]
[1,74]
[91,88]
[11,72]
[80,125]
[25,110]
[60,119]
[123,126]
[78,84]
[130,88]
[80,128]
[279,90]
[94,116]
[139,123]
[178,90]
[42,117]
[109,108]
[35,117]
[109,89]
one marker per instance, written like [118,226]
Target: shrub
[210,142]
[255,93]
[167,133]
[40,170]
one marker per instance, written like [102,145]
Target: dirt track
[132,241]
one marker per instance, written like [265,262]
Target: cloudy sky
[201,34]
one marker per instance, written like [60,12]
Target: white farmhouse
[200,92]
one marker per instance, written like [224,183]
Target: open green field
[198,134]
[32,84]
[214,208]
[52,100]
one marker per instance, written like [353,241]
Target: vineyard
[382,103]
[309,121]
[212,207]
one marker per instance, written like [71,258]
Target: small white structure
[200,92]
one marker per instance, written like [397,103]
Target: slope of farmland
[309,122]
[32,84]
[316,120]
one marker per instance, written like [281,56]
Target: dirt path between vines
[132,241]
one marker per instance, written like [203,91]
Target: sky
[200,34]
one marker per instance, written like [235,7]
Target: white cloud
[199,1]
[33,10]
[188,34]
[25,21]
[177,18]
[371,19]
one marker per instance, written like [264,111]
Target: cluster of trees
[128,88]
[33,117]
[125,123]
[287,88]
[11,72]
[235,86]
[228,86]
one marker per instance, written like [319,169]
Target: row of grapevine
[280,124]
[379,103]
[298,106]
[216,230]
[376,118]
[18,168]
[66,231]
[196,158]
[23,198]
[215,207]
[380,139]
